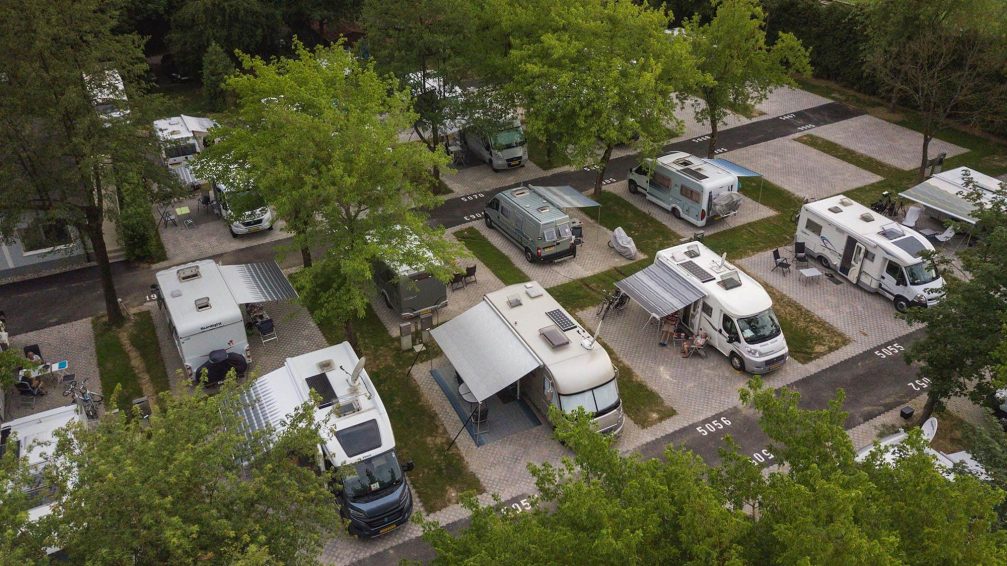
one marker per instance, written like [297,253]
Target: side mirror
[408,466]
[731,338]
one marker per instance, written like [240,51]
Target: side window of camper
[504,211]
[894,271]
[869,257]
[727,323]
[707,309]
[494,205]
[691,194]
[813,227]
[659,179]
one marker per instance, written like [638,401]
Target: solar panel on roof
[553,336]
[561,319]
[689,172]
[320,384]
[700,273]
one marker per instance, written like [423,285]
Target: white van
[259,215]
[871,251]
[356,432]
[503,149]
[201,300]
[520,334]
[689,187]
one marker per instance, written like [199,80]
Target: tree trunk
[97,237]
[351,336]
[926,157]
[600,177]
[306,256]
[928,409]
[712,146]
[434,145]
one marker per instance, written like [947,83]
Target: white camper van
[356,438]
[520,334]
[713,295]
[870,250]
[201,300]
[689,187]
[181,139]
[502,149]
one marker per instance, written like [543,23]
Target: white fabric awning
[257,282]
[484,351]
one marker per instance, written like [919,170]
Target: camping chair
[945,236]
[27,393]
[780,263]
[800,253]
[35,350]
[267,332]
[457,280]
[912,216]
[696,346]
[470,273]
[204,203]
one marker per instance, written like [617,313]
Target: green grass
[441,475]
[143,337]
[649,234]
[114,366]
[808,337]
[494,259]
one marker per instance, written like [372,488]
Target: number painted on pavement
[471,217]
[762,456]
[889,350]
[920,384]
[476,196]
[714,426]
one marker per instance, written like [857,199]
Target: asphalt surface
[463,209]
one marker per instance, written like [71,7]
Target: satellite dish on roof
[355,374]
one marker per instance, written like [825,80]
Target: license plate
[549,249]
[254,228]
[388,529]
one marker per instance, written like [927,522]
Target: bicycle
[84,397]
[616,300]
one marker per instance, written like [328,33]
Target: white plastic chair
[946,235]
[912,216]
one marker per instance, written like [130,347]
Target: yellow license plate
[388,529]
[549,249]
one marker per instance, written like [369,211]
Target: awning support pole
[465,424]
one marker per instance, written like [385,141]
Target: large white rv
[182,138]
[201,299]
[868,249]
[691,188]
[521,334]
[713,295]
[356,433]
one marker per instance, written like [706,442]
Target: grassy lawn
[494,259]
[113,364]
[441,475]
[649,234]
[808,337]
[143,337]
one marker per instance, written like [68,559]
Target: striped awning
[257,282]
[184,173]
[660,290]
[564,196]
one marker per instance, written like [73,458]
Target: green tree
[958,353]
[188,486]
[217,66]
[731,50]
[21,540]
[592,75]
[312,18]
[253,26]
[319,134]
[61,159]
[944,57]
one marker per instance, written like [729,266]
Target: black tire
[901,303]
[529,256]
[633,187]
[270,227]
[676,213]
[388,303]
[736,362]
[91,410]
[233,234]
[489,222]
[825,262]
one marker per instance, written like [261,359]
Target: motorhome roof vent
[867,217]
[845,202]
[202,304]
[692,251]
[520,192]
[188,273]
[326,366]
[835,209]
[543,209]
[554,336]
[730,280]
[514,300]
[684,161]
[176,293]
[892,232]
[533,291]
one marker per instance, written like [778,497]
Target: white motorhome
[691,188]
[201,300]
[181,139]
[33,437]
[868,249]
[713,295]
[520,334]
[357,436]
[108,93]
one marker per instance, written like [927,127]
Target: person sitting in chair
[669,325]
[34,381]
[696,343]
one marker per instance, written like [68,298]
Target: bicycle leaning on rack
[616,300]
[84,397]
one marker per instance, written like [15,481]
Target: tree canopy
[741,68]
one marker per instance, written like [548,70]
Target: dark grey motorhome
[409,292]
[537,225]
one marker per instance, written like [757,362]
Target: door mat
[832,277]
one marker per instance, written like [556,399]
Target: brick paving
[800,169]
[750,211]
[207,237]
[74,342]
[594,256]
[889,143]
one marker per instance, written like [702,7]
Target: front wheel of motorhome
[388,302]
[676,213]
[736,362]
[901,304]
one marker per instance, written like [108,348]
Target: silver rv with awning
[520,334]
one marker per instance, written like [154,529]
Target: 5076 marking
[472,197]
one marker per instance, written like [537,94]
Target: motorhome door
[853,258]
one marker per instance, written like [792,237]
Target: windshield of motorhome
[507,139]
[921,273]
[594,401]
[371,476]
[759,328]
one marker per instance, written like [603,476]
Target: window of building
[693,195]
[813,227]
[44,235]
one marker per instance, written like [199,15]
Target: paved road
[459,210]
